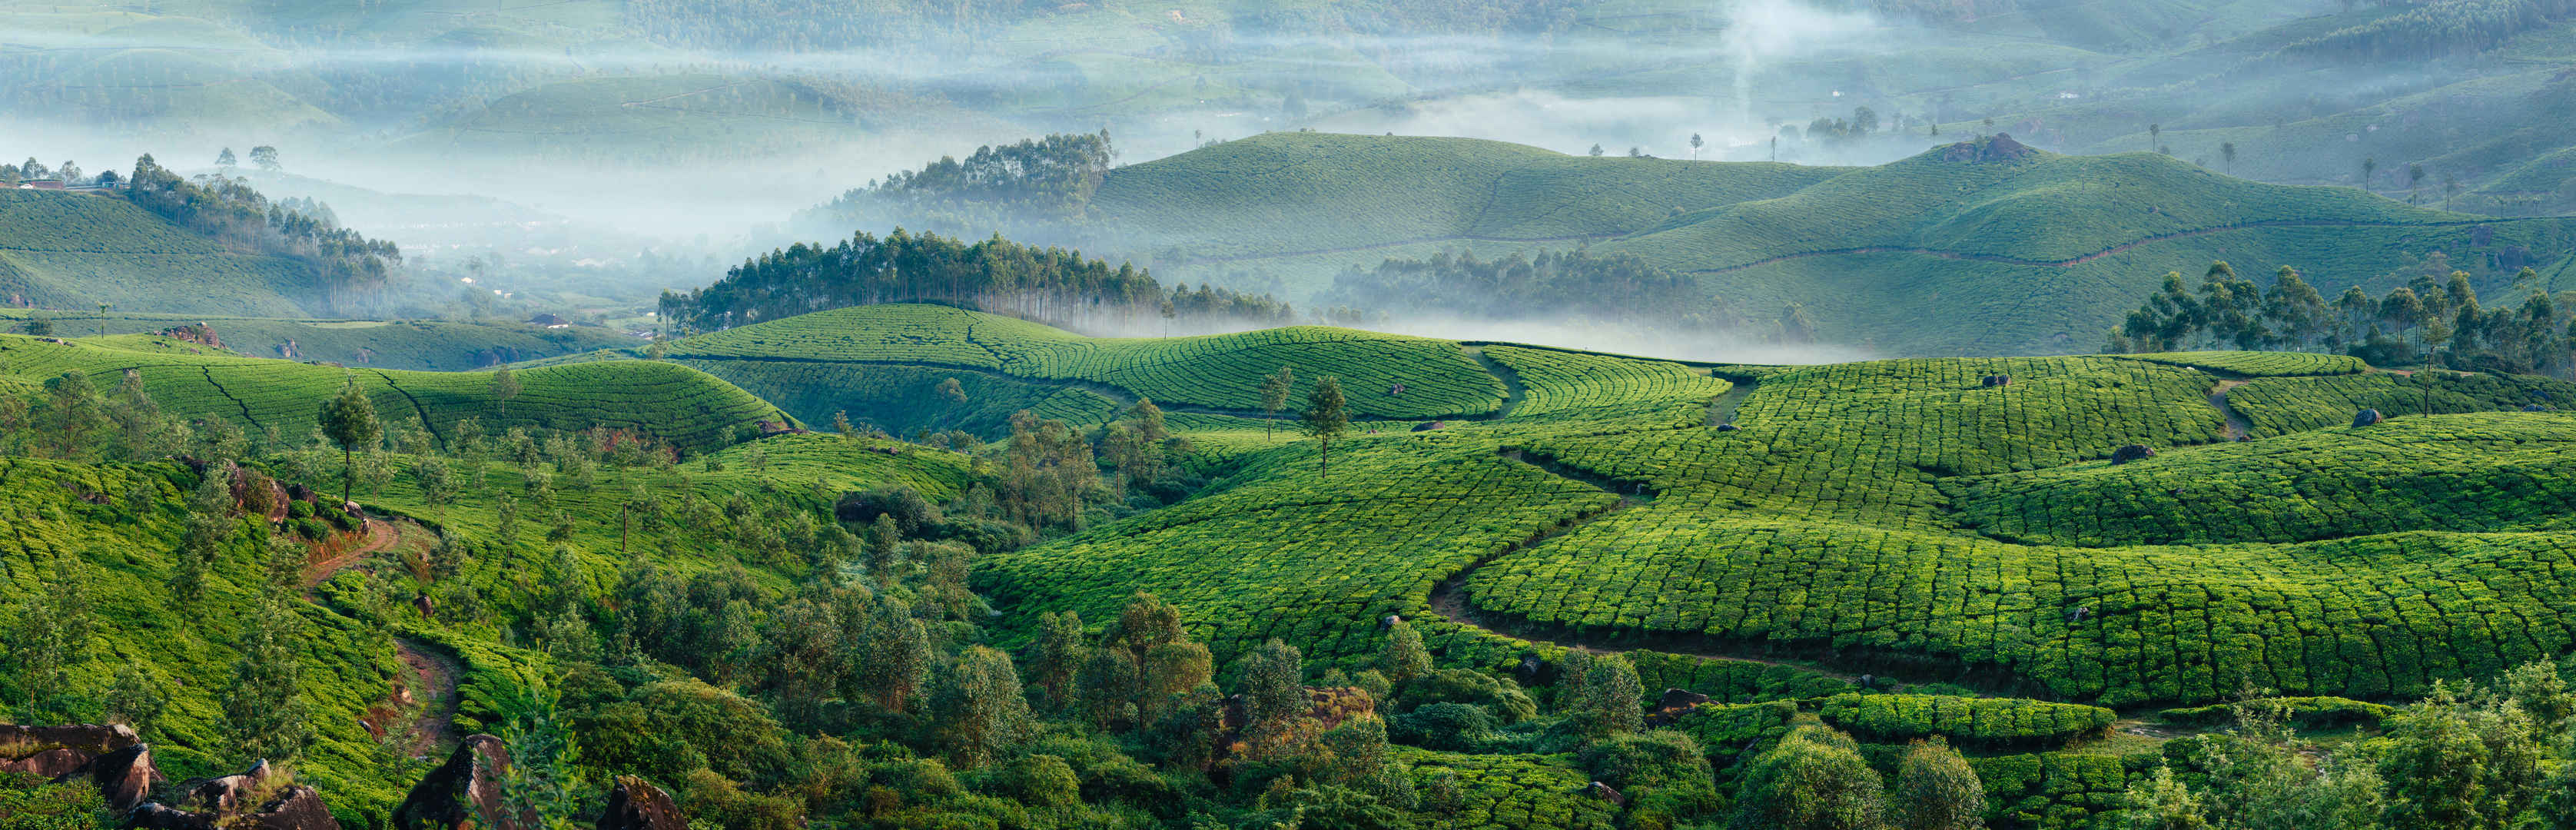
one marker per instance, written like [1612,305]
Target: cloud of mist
[1761,33]
[1623,338]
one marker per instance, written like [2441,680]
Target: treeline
[2424,321]
[1051,285]
[2436,29]
[1556,286]
[354,270]
[1040,182]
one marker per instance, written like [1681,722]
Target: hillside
[1963,548]
[427,345]
[2041,252]
[683,407]
[70,250]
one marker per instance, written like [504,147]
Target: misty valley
[1288,415]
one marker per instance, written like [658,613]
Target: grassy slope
[1222,371]
[2042,253]
[423,345]
[64,250]
[1843,522]
[686,407]
[1281,194]
[66,511]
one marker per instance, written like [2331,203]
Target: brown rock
[295,808]
[636,805]
[52,763]
[228,794]
[125,777]
[88,738]
[466,789]
[1674,703]
[2365,417]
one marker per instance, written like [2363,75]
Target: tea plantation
[1900,550]
[681,406]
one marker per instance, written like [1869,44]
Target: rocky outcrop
[636,805]
[126,777]
[465,791]
[258,798]
[2366,417]
[110,756]
[198,333]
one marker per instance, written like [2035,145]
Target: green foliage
[1992,722]
[1504,791]
[2261,364]
[1813,780]
[2278,406]
[1936,789]
[28,802]
[682,406]
[2310,712]
[1221,370]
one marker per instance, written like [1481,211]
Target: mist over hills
[1287,414]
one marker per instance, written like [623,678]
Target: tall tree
[981,712]
[1404,658]
[1060,653]
[1274,396]
[349,420]
[265,156]
[265,710]
[504,386]
[1327,416]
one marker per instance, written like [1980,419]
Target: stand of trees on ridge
[2426,321]
[1036,182]
[354,269]
[1049,285]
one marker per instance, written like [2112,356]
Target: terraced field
[1385,376]
[683,406]
[1898,518]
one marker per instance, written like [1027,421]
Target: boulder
[2366,417]
[1995,380]
[2533,407]
[466,789]
[1388,622]
[1674,703]
[1529,669]
[1727,427]
[295,808]
[1606,793]
[89,739]
[126,777]
[636,805]
[226,794]
[2132,452]
[57,762]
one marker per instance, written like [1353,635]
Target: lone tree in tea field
[505,386]
[1327,416]
[1274,395]
[349,420]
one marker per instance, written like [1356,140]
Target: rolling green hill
[1893,548]
[1983,247]
[70,250]
[1218,372]
[384,344]
[682,406]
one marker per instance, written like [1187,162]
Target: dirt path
[2238,428]
[381,535]
[432,679]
